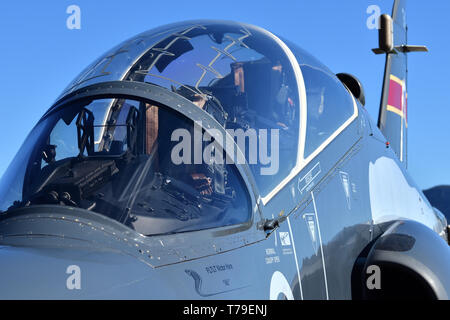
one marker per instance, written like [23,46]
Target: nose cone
[64,273]
[57,253]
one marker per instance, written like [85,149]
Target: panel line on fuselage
[295,257]
[321,246]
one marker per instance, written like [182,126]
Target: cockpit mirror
[132,124]
[49,153]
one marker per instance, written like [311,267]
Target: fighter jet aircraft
[216,160]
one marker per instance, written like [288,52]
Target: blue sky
[39,56]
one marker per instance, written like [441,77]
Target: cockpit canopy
[121,156]
[242,75]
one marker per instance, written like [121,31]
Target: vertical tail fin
[392,119]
